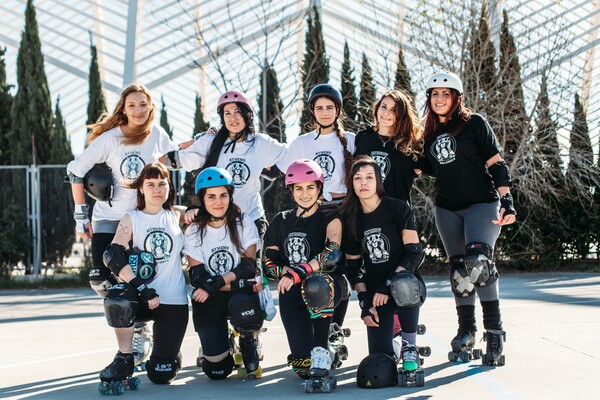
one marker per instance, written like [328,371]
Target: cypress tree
[315,67]
[200,125]
[349,92]
[164,123]
[60,151]
[402,81]
[368,94]
[6,100]
[97,103]
[31,113]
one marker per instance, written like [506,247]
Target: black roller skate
[462,347]
[249,348]
[493,353]
[116,377]
[336,344]
[411,372]
[141,344]
[320,365]
[398,343]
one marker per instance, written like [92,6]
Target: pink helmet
[303,171]
[233,96]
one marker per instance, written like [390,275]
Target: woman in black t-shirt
[302,250]
[473,201]
[383,254]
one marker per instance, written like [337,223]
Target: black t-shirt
[299,239]
[397,169]
[458,164]
[380,239]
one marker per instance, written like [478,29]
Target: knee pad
[318,292]
[245,312]
[479,264]
[376,371]
[407,290]
[301,366]
[220,369]
[120,306]
[101,286]
[163,371]
[344,287]
[459,278]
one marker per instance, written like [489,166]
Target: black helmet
[376,371]
[98,182]
[325,90]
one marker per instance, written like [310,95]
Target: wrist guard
[298,272]
[144,292]
[212,284]
[506,202]
[246,269]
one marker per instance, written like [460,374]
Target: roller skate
[336,344]
[462,347]
[117,376]
[320,365]
[493,354]
[249,344]
[398,343]
[411,374]
[142,345]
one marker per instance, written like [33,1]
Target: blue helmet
[213,177]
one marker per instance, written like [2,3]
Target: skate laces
[410,353]
[320,358]
[494,338]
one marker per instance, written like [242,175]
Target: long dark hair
[217,144]
[153,170]
[233,217]
[351,205]
[459,116]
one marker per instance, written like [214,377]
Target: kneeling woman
[301,244]
[221,249]
[383,254]
[152,285]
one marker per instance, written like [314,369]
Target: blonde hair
[107,121]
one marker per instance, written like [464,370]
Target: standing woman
[383,254]
[221,251]
[120,144]
[152,285]
[331,147]
[302,246]
[473,201]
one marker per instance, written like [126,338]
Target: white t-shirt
[215,249]
[245,164]
[160,235]
[126,162]
[327,151]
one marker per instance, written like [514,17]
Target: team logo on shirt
[221,261]
[159,244]
[444,149]
[239,171]
[326,163]
[132,165]
[376,245]
[381,158]
[296,248]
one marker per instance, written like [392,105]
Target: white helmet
[444,80]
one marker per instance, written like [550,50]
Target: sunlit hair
[233,218]
[107,121]
[351,205]
[154,170]
[406,132]
[459,116]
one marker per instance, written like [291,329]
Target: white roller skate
[141,345]
[320,365]
[336,344]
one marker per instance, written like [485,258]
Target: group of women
[352,222]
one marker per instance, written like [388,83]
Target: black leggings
[170,323]
[380,338]
[100,242]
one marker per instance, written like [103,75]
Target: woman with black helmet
[220,246]
[302,247]
[473,201]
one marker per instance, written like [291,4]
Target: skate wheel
[484,360]
[199,361]
[242,373]
[421,329]
[452,356]
[501,361]
[103,388]
[238,361]
[346,332]
[477,354]
[425,351]
[343,352]
[402,380]
[134,384]
[117,388]
[465,356]
[420,379]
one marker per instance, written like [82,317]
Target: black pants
[100,242]
[168,331]
[380,338]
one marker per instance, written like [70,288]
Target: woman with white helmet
[473,201]
[302,251]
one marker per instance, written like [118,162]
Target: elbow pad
[329,257]
[197,275]
[272,173]
[71,178]
[273,264]
[246,269]
[355,271]
[500,174]
[173,160]
[413,256]
[115,258]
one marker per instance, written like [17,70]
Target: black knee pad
[459,278]
[407,289]
[220,369]
[163,371]
[120,306]
[245,312]
[344,287]
[300,365]
[479,264]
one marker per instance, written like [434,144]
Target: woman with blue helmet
[220,246]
